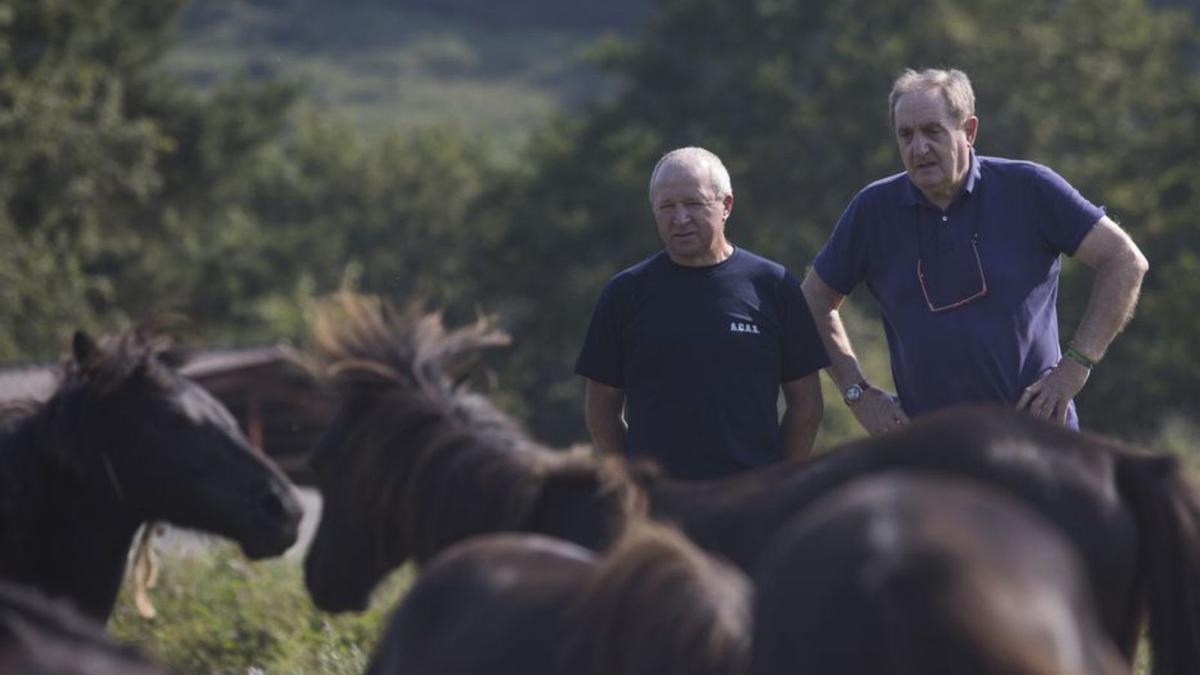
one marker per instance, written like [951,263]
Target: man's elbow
[1140,265]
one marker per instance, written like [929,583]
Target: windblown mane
[657,604]
[446,458]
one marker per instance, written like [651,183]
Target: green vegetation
[221,615]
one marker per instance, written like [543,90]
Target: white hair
[718,175]
[954,85]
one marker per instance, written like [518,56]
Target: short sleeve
[803,351]
[1067,215]
[602,357]
[842,261]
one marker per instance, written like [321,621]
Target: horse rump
[907,573]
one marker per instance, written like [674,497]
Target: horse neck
[65,531]
[470,489]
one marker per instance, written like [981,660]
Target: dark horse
[414,462]
[522,603]
[911,574]
[39,636]
[126,439]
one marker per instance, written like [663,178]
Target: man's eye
[692,204]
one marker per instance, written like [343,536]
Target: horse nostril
[272,507]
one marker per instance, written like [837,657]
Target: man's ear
[971,127]
[84,349]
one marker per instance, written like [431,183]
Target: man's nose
[679,213]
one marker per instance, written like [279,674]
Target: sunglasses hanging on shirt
[952,276]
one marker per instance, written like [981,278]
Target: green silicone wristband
[1076,356]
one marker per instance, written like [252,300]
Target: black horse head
[170,451]
[126,439]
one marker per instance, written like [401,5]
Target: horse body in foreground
[39,636]
[124,440]
[910,574]
[414,463]
[520,603]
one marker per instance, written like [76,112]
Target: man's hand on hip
[1048,397]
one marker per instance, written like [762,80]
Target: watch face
[853,393]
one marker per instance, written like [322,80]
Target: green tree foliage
[394,215]
[793,96]
[117,181]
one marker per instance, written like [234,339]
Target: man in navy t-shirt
[962,253]
[694,343]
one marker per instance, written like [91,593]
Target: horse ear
[84,348]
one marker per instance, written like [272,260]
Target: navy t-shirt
[1021,216]
[700,353]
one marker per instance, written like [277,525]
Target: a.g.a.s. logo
[742,327]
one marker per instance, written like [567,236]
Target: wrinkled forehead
[921,107]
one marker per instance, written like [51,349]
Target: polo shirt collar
[913,196]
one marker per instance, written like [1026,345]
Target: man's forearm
[799,427]
[1114,295]
[823,302]
[843,363]
[608,435]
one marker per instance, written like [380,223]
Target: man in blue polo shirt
[962,254]
[694,343]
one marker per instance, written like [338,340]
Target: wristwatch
[854,392]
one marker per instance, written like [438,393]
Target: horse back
[1069,478]
[489,605]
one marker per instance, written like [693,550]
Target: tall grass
[219,614]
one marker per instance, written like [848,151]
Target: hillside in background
[495,67]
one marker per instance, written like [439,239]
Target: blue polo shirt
[1019,217]
[700,353]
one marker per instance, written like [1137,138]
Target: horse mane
[437,461]
[364,341]
[658,604]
